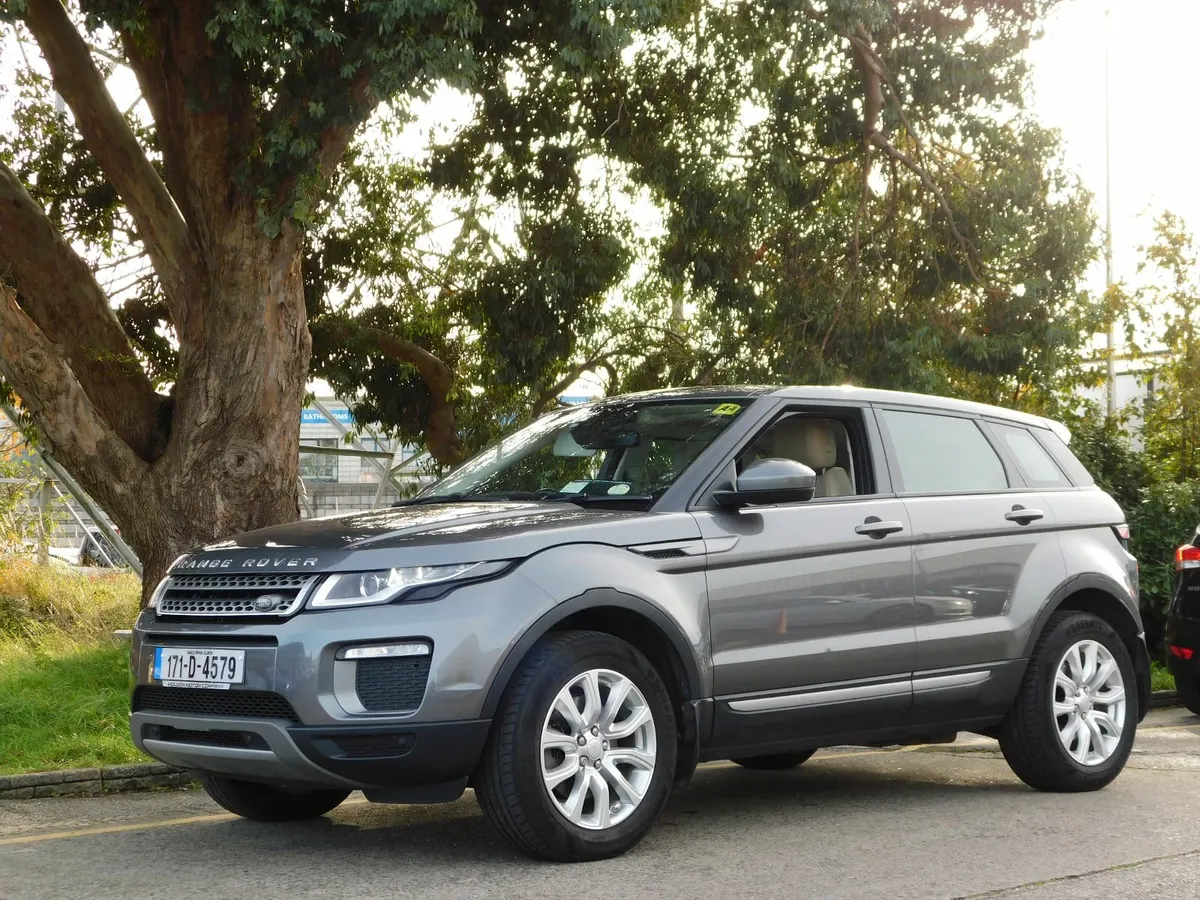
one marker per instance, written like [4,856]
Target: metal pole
[43,524]
[1108,224]
[343,430]
[87,535]
[94,511]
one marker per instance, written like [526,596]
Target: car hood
[434,534]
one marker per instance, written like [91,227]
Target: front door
[811,604]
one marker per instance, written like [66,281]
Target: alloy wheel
[1089,702]
[598,749]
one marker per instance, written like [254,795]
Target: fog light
[385,651]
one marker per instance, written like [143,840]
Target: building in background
[346,483]
[1134,385]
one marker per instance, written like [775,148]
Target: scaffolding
[396,467]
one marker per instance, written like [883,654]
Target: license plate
[215,670]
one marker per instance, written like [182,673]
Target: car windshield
[633,449]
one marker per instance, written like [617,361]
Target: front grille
[367,746]
[218,704]
[233,595]
[245,739]
[391,685]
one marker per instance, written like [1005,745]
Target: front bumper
[374,758]
[300,717]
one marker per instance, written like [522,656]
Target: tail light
[1122,533]
[1181,652]
[1187,557]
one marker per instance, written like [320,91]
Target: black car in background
[1183,625]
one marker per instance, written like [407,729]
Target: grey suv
[573,619]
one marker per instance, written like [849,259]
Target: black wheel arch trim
[1102,583]
[595,598]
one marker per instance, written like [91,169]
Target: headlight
[367,588]
[161,586]
[157,595]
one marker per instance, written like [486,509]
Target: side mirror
[768,481]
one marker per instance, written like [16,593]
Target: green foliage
[1166,518]
[1102,444]
[43,602]
[20,516]
[665,193]
[64,705]
[1160,678]
[1170,305]
[64,681]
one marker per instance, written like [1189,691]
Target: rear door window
[1038,467]
[936,454]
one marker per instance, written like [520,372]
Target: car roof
[820,393]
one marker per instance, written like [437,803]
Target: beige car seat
[812,442]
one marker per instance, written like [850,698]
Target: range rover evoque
[573,619]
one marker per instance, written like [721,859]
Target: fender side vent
[669,553]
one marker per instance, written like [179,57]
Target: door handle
[1023,516]
[877,529]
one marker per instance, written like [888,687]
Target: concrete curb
[77,782]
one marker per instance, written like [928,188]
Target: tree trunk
[231,462]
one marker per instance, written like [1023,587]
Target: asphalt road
[940,822]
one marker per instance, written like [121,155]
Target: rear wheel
[582,752]
[1188,690]
[265,803]
[775,762]
[1073,722]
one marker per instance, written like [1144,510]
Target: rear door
[810,604]
[985,553]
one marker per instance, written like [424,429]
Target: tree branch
[203,128]
[546,397]
[66,418]
[61,296]
[440,434]
[876,78]
[109,137]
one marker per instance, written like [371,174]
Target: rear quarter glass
[1074,469]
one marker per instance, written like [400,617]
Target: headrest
[808,441]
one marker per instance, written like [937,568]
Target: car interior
[818,442]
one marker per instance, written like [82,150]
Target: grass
[64,679]
[64,705]
[1160,678]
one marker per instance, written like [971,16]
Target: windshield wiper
[588,499]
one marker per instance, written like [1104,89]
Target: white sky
[1152,70]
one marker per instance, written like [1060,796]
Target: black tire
[264,803]
[775,762]
[1187,688]
[1029,736]
[509,783]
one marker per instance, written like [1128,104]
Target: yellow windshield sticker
[727,409]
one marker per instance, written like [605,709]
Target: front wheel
[775,762]
[264,803]
[1073,722]
[582,751]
